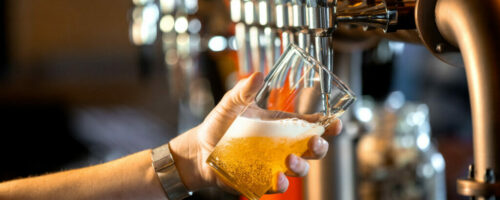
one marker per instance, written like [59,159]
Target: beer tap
[283,20]
[267,19]
[251,19]
[321,23]
[300,24]
[241,35]
[388,15]
[300,29]
[459,32]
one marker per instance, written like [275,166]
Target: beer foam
[250,127]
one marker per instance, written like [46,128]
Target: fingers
[334,128]
[317,148]
[297,166]
[281,184]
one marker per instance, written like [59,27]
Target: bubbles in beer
[253,151]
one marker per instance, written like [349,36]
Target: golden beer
[252,152]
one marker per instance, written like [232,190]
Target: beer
[253,151]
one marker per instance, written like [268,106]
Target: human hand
[191,149]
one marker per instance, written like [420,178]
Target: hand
[191,149]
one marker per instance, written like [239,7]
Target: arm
[133,176]
[130,177]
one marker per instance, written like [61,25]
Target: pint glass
[298,100]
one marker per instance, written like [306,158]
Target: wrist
[185,151]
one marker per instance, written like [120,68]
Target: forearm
[131,177]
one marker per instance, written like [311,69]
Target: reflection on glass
[284,115]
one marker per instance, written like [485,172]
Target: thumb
[232,104]
[240,96]
[244,92]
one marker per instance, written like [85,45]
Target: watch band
[164,166]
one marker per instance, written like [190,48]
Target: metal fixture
[460,32]
[284,18]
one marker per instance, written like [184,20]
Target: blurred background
[85,82]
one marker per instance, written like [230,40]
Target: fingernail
[306,169]
[293,161]
[320,144]
[257,81]
[259,78]
[282,183]
[323,142]
[281,179]
[339,123]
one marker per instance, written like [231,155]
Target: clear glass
[298,100]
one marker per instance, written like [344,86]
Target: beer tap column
[268,22]
[283,16]
[250,8]
[321,15]
[300,24]
[241,35]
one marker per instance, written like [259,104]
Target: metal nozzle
[321,15]
[389,15]
[324,53]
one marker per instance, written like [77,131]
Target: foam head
[291,128]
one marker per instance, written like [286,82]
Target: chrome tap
[251,8]
[283,21]
[457,31]
[300,24]
[389,15]
[271,42]
[321,23]
[241,35]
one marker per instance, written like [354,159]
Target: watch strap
[164,166]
